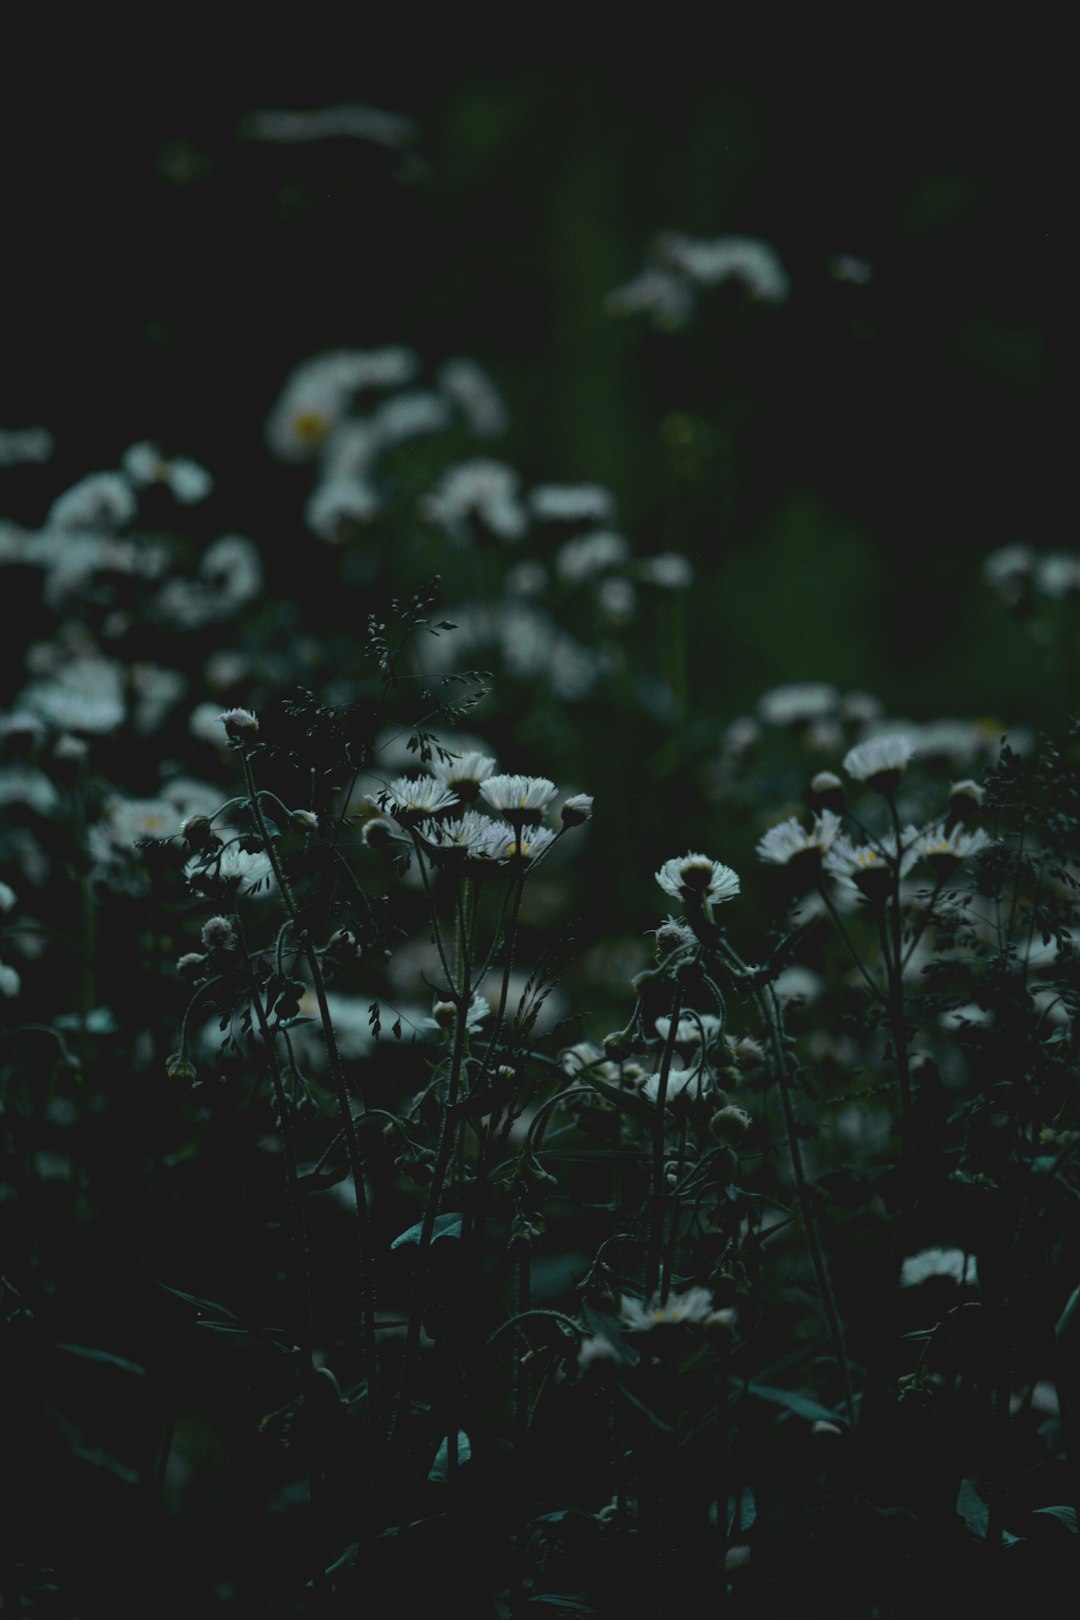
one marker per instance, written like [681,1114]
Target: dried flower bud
[178,1066]
[219,934]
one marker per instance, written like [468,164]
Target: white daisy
[952,1263]
[464,774]
[251,873]
[486,489]
[572,503]
[797,702]
[683,1086]
[145,465]
[879,763]
[102,500]
[469,834]
[411,800]
[943,852]
[788,842]
[590,554]
[521,799]
[695,1305]
[476,396]
[869,868]
[697,879]
[521,844]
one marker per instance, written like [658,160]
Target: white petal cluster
[880,756]
[860,866]
[518,797]
[945,850]
[952,1263]
[691,1029]
[525,844]
[797,702]
[188,482]
[572,503]
[694,1305]
[472,834]
[467,771]
[484,489]
[476,396]
[102,500]
[782,843]
[698,878]
[251,872]
[590,554]
[727,258]
[411,800]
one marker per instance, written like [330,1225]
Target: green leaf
[445,1226]
[105,1356]
[440,1468]
[572,1605]
[804,1405]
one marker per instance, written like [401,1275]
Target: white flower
[683,1085]
[943,851]
[670,570]
[666,296]
[590,554]
[337,504]
[1008,571]
[690,1028]
[593,1349]
[583,1055]
[410,416]
[788,841]
[471,834]
[617,599]
[86,694]
[797,702]
[444,1014]
[523,844]
[7,898]
[102,500]
[488,489]
[695,1305]
[144,465]
[869,868]
[879,763]
[952,1263]
[25,446]
[520,799]
[252,873]
[577,809]
[317,395]
[526,578]
[240,725]
[10,983]
[742,258]
[697,878]
[411,800]
[25,784]
[476,396]
[464,774]
[572,503]
[1057,575]
[799,984]
[129,821]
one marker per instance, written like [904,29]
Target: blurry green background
[852,455]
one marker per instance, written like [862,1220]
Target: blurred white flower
[879,763]
[952,1263]
[662,294]
[25,446]
[7,898]
[10,982]
[1009,570]
[486,489]
[694,1305]
[336,504]
[572,503]
[726,258]
[352,120]
[521,799]
[85,694]
[102,500]
[788,842]
[799,985]
[671,571]
[409,416]
[797,703]
[476,396]
[1057,575]
[317,395]
[145,465]
[849,267]
[590,554]
[25,784]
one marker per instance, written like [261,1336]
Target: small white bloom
[952,1263]
[880,762]
[869,868]
[617,599]
[464,774]
[1057,575]
[241,726]
[338,504]
[145,465]
[411,800]
[683,1086]
[797,703]
[572,503]
[25,446]
[690,1028]
[577,809]
[590,554]
[726,258]
[1009,571]
[410,416]
[662,294]
[486,489]
[695,1305]
[252,873]
[596,1348]
[524,843]
[471,834]
[102,500]
[943,851]
[788,841]
[697,878]
[8,898]
[476,396]
[671,571]
[521,799]
[10,983]
[799,985]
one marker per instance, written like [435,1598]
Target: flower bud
[304,820]
[730,1123]
[178,1066]
[618,1046]
[379,832]
[826,792]
[219,935]
[197,832]
[577,810]
[241,726]
[192,965]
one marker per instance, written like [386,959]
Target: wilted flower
[879,763]
[695,879]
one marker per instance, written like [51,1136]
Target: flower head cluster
[698,880]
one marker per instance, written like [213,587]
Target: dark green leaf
[105,1356]
[445,1226]
[804,1405]
[440,1468]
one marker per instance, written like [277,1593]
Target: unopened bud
[304,820]
[178,1066]
[826,792]
[730,1123]
[197,831]
[219,934]
[379,832]
[618,1046]
[577,810]
[241,726]
[444,1014]
[192,965]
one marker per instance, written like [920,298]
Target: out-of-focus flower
[7,898]
[849,267]
[219,934]
[317,395]
[797,703]
[965,798]
[952,1263]
[145,465]
[691,1028]
[789,844]
[696,878]
[726,258]
[662,294]
[85,694]
[593,1349]
[25,446]
[1057,575]
[241,726]
[103,500]
[826,792]
[476,396]
[694,1305]
[10,982]
[944,851]
[248,872]
[590,554]
[572,503]
[879,763]
[410,416]
[336,505]
[351,120]
[869,868]
[481,488]
[671,571]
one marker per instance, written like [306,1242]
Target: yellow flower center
[310,426]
